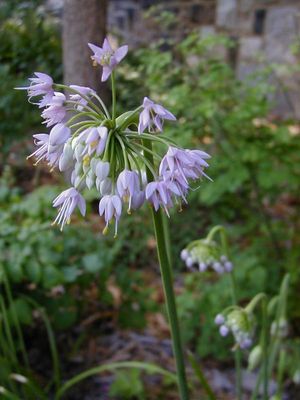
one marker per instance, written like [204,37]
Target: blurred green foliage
[255,170]
[56,268]
[29,41]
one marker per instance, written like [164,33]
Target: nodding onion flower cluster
[96,149]
[204,254]
[240,323]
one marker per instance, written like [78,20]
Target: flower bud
[102,170]
[280,329]
[66,159]
[254,358]
[218,267]
[79,183]
[202,267]
[59,134]
[184,254]
[90,179]
[138,200]
[19,378]
[219,320]
[228,266]
[224,330]
[189,262]
[105,186]
[78,151]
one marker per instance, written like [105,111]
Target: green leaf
[52,276]
[21,310]
[92,262]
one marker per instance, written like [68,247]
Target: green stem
[167,281]
[113,90]
[15,319]
[237,355]
[167,237]
[202,379]
[265,349]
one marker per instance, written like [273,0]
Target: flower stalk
[237,355]
[167,281]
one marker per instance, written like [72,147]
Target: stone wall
[263,31]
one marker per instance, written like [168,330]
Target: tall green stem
[237,354]
[265,349]
[166,274]
[113,90]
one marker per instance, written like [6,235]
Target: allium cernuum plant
[116,155]
[96,149]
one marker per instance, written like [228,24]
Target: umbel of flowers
[205,254]
[95,148]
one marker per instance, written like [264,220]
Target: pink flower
[96,140]
[159,195]
[111,206]
[128,184]
[153,114]
[183,163]
[107,57]
[55,111]
[40,85]
[68,200]
[84,91]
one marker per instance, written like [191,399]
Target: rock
[249,47]
[226,15]
[280,33]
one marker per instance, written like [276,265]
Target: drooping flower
[240,324]
[50,147]
[66,160]
[185,163]
[96,140]
[107,57]
[158,194]
[111,207]
[102,170]
[153,115]
[77,97]
[59,134]
[128,184]
[40,85]
[68,200]
[55,111]
[176,184]
[196,169]
[137,200]
[42,141]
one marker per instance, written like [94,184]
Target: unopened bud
[105,186]
[202,267]
[19,378]
[254,358]
[184,254]
[189,262]
[102,170]
[224,330]
[219,320]
[66,159]
[228,266]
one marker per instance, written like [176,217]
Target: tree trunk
[84,21]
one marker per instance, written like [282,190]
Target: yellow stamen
[86,160]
